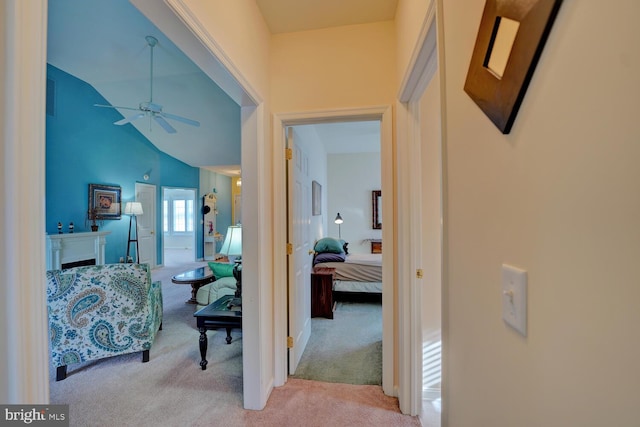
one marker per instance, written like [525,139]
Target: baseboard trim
[431,393]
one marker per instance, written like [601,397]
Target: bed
[361,273]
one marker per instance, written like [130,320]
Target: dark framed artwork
[510,40]
[316,198]
[376,209]
[105,200]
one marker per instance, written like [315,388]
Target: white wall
[351,178]
[558,197]
[351,66]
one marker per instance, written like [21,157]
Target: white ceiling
[103,43]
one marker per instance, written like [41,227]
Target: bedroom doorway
[343,161]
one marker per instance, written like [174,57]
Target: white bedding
[357,268]
[365,287]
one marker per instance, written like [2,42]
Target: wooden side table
[322,304]
[216,315]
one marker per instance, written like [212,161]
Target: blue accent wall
[84,147]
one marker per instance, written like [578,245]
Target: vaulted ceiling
[103,43]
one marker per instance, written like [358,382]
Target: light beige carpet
[172,390]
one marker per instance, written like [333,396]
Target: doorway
[178,226]
[342,160]
[383,116]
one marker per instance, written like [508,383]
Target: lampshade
[338,219]
[133,208]
[232,241]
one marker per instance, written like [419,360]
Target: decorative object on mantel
[105,199]
[510,40]
[59,228]
[133,209]
[71,227]
[92,215]
[339,221]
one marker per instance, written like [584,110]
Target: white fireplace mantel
[74,247]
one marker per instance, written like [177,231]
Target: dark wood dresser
[322,304]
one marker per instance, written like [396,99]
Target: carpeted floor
[346,349]
[172,390]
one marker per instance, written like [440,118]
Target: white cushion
[211,292]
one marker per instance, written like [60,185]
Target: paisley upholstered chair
[101,311]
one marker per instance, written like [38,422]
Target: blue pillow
[328,257]
[221,269]
[328,244]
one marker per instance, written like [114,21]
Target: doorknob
[311,252]
[153,232]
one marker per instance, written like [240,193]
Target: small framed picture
[104,200]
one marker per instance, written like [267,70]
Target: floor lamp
[339,221]
[133,209]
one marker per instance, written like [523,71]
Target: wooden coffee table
[217,315]
[196,278]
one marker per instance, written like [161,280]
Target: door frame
[425,60]
[154,229]
[296,233]
[383,114]
[197,226]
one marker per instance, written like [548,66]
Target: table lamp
[232,248]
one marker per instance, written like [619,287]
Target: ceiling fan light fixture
[151,41]
[150,108]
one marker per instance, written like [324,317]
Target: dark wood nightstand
[322,304]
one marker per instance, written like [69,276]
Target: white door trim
[280,121]
[423,65]
[24,337]
[178,22]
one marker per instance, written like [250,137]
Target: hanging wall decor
[510,40]
[104,201]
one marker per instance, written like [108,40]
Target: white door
[299,268]
[146,194]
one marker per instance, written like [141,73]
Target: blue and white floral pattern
[100,311]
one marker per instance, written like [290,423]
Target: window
[179,218]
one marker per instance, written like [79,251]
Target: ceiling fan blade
[165,125]
[129,119]
[115,106]
[181,119]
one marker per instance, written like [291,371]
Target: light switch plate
[514,298]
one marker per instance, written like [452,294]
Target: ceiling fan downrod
[152,42]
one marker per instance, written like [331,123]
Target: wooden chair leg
[61,373]
[145,356]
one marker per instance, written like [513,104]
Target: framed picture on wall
[105,200]
[316,198]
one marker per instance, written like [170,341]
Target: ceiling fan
[150,108]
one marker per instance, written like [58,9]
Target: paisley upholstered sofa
[101,311]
